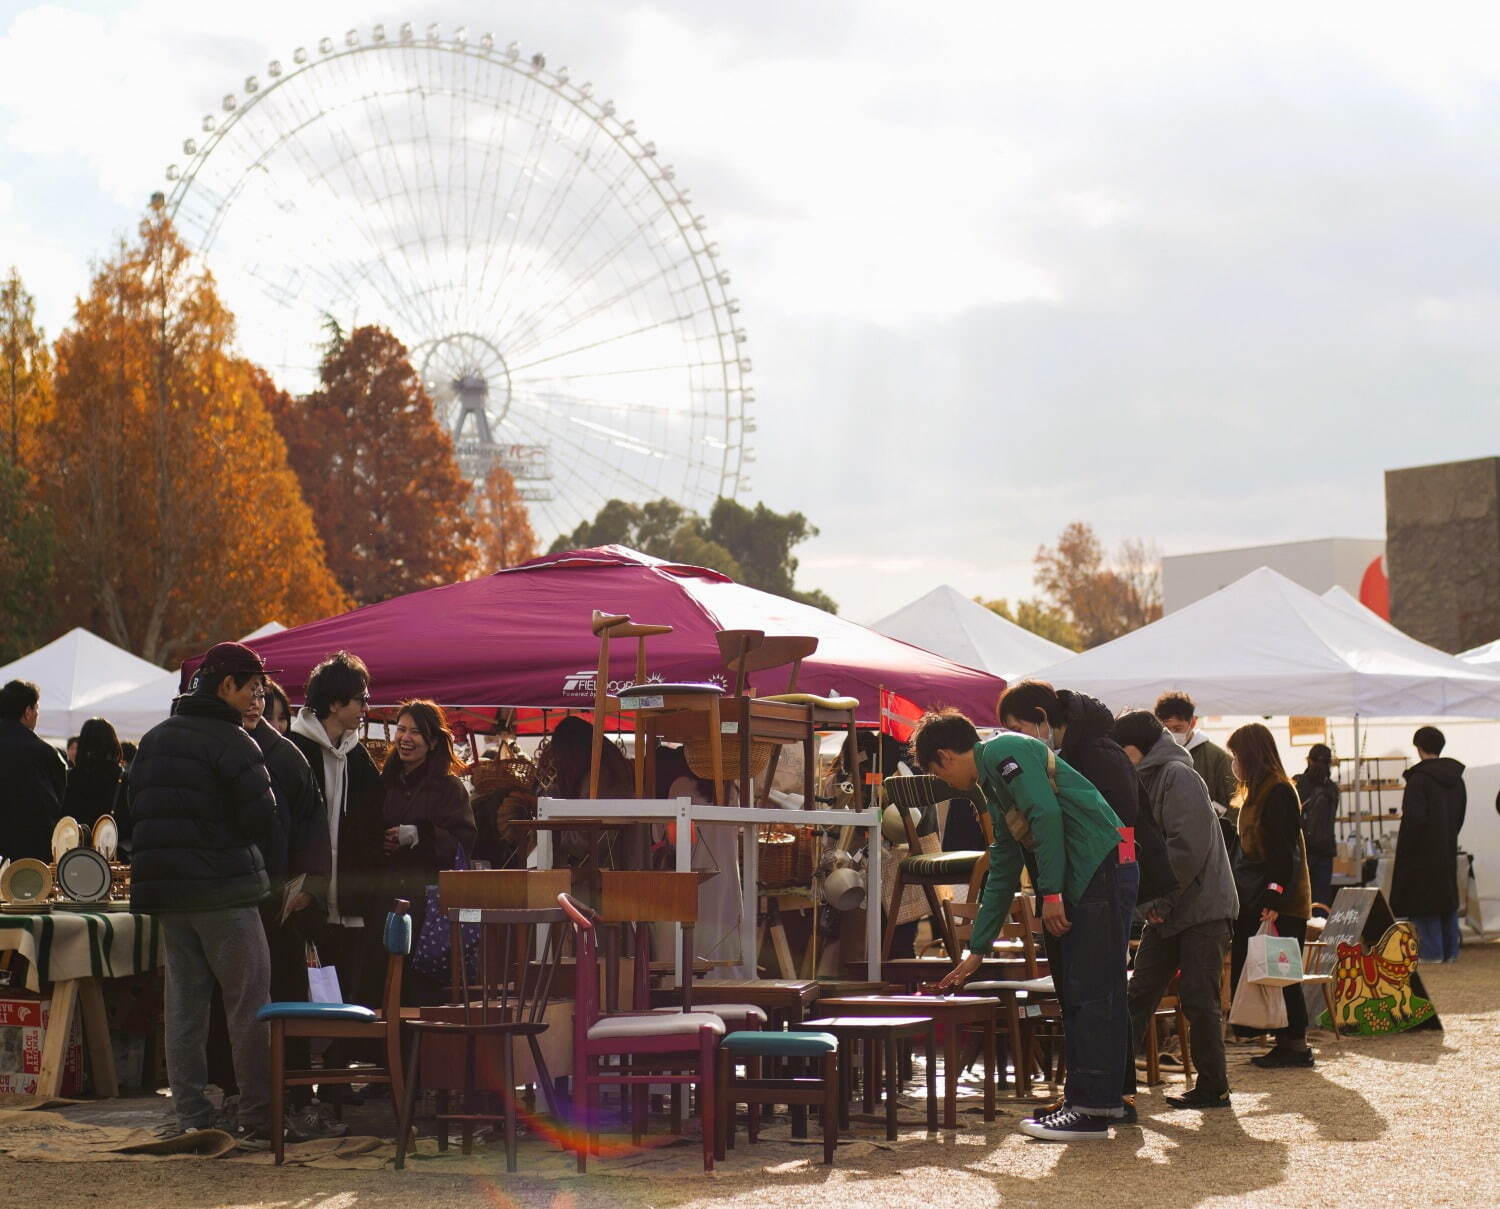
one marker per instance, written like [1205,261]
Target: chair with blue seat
[343,1022]
[754,1089]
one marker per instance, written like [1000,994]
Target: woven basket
[700,757]
[379,749]
[787,856]
[503,775]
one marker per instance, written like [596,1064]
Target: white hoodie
[335,794]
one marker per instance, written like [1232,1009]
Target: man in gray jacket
[1187,931]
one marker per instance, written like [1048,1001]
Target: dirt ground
[1405,1120]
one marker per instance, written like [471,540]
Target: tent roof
[960,629]
[1341,598]
[521,637]
[1265,645]
[1488,653]
[74,672]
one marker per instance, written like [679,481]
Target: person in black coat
[94,783]
[33,777]
[204,816]
[1424,883]
[1319,793]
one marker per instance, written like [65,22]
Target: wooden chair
[1314,957]
[1169,1009]
[756,1088]
[508,1000]
[673,1048]
[937,869]
[1030,1006]
[343,1022]
[607,626]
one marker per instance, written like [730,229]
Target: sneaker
[227,1115]
[251,1137]
[313,1121]
[333,1124]
[1280,1056]
[1198,1098]
[1067,1126]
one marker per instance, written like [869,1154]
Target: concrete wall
[1443,552]
[1316,565]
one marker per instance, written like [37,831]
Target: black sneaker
[1067,1126]
[1198,1098]
[1279,1056]
[251,1137]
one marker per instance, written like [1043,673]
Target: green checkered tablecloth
[60,945]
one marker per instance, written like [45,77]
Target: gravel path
[1407,1120]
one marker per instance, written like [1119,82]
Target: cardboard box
[23,1021]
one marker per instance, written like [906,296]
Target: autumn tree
[505,535]
[1038,617]
[378,471]
[1102,597]
[185,524]
[753,546]
[28,547]
[25,374]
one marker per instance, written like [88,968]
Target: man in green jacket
[1051,820]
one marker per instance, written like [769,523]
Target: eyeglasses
[364,699]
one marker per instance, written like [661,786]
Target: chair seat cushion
[315,1011]
[939,867]
[630,692]
[777,1044]
[654,1024]
[734,1015]
[841,703]
[1032,986]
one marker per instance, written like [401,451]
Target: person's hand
[962,972]
[1055,917]
[1267,916]
[392,839]
[1154,916]
[301,902]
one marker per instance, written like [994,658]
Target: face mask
[1051,739]
[1181,739]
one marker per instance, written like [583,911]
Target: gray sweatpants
[227,947]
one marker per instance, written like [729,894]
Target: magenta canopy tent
[521,638]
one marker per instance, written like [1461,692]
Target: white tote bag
[322,981]
[1273,961]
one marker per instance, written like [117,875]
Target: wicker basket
[787,856]
[379,749]
[700,757]
[503,775]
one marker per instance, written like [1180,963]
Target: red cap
[232,659]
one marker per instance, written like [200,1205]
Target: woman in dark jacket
[427,813]
[1270,873]
[95,780]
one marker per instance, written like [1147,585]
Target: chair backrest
[586,971]
[605,627]
[397,938]
[509,984]
[960,916]
[1023,924]
[746,651]
[643,899]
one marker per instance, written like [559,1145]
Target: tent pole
[1359,822]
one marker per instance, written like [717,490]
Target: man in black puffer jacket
[204,814]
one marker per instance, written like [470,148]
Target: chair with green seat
[346,1022]
[930,870]
[754,1089]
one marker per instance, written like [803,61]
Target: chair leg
[830,1106]
[708,1044]
[508,1098]
[278,1089]
[1153,1054]
[1185,1039]
[724,1135]
[990,1076]
[1333,1019]
[581,1098]
[846,1082]
[932,1096]
[408,1103]
[467,1102]
[890,915]
[940,921]
[892,1088]
[752,1108]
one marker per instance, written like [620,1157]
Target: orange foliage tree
[1103,598]
[378,471]
[185,524]
[25,373]
[506,538]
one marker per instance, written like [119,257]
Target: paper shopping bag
[1273,961]
[322,981]
[1257,1006]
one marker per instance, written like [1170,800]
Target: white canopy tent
[75,672]
[1341,598]
[1265,645]
[1488,653]
[948,623]
[136,710]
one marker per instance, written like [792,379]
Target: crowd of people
[266,837]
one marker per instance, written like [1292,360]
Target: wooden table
[885,1031]
[952,1013]
[784,1000]
[912,972]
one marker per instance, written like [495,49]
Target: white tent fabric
[74,673]
[1488,653]
[1265,645]
[136,710]
[1341,598]
[948,623]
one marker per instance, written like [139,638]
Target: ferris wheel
[553,284]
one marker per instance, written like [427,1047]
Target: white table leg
[749,889]
[872,904]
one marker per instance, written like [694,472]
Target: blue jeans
[1096,1022]
[1437,936]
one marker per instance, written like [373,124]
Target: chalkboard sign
[1359,915]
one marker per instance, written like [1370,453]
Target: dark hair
[1320,753]
[127,752]
[340,677]
[1255,749]
[1430,739]
[1138,729]
[563,763]
[1022,702]
[72,741]
[98,745]
[210,680]
[432,724]
[16,698]
[944,730]
[1175,706]
[274,692]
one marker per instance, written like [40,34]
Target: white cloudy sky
[1196,273]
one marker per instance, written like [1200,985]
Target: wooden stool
[753,1090]
[868,1032]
